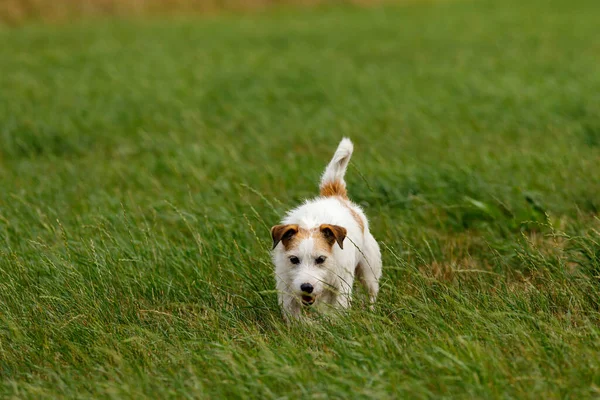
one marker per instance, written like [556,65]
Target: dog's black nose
[306,287]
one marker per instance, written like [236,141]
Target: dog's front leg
[344,297]
[289,307]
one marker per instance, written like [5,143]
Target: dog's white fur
[328,226]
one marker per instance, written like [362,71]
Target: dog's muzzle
[307,300]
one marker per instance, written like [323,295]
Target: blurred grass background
[19,11]
[143,160]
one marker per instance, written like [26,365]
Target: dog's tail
[332,181]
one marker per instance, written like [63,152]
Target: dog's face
[305,261]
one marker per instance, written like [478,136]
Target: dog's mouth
[307,300]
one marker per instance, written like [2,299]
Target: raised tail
[332,181]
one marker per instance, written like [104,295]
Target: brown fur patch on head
[283,233]
[289,235]
[295,241]
[324,237]
[335,188]
[333,233]
[322,245]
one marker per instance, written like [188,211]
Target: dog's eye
[294,260]
[320,260]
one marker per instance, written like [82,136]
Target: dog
[320,247]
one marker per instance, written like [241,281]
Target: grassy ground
[15,12]
[143,162]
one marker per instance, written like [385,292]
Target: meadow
[143,161]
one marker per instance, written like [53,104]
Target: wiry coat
[321,246]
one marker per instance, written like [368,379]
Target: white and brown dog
[322,245]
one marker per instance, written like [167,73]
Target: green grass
[142,163]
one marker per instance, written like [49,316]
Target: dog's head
[304,258]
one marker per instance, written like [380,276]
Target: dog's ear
[333,233]
[283,233]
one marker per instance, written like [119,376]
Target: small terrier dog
[321,246]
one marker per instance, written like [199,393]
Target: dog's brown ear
[333,233]
[283,233]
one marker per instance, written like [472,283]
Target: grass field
[143,161]
[17,12]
